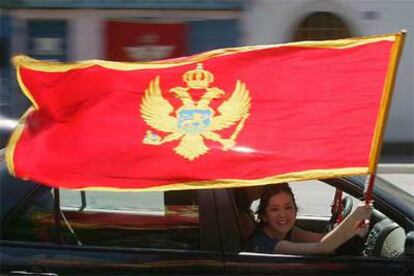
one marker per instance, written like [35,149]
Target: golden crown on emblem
[198,78]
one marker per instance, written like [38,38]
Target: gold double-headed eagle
[194,121]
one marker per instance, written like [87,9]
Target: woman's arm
[351,226]
[300,235]
[331,241]
[297,248]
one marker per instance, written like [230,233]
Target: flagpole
[58,223]
[384,111]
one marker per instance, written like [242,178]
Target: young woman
[278,233]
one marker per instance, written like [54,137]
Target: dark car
[60,232]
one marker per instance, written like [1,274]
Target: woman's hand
[361,215]
[354,224]
[361,228]
[362,212]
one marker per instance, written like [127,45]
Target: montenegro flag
[224,118]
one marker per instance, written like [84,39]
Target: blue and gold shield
[194,121]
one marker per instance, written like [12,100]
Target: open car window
[314,199]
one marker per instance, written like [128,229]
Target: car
[46,231]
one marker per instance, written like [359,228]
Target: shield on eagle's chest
[194,121]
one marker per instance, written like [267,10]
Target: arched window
[320,26]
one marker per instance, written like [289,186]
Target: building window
[321,26]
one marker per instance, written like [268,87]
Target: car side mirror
[409,244]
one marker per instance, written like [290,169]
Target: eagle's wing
[155,109]
[232,110]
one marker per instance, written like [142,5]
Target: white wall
[274,21]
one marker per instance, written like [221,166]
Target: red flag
[224,118]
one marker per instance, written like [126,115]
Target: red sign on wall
[144,41]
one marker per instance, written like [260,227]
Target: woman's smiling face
[280,214]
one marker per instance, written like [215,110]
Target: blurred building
[142,30]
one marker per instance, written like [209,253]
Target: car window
[21,224]
[385,238]
[166,220]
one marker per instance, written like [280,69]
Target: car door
[241,262]
[178,240]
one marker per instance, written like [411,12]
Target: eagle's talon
[152,138]
[228,144]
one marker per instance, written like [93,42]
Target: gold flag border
[238,183]
[376,144]
[52,66]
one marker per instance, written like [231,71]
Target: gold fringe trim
[385,102]
[24,88]
[14,138]
[238,183]
[48,66]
